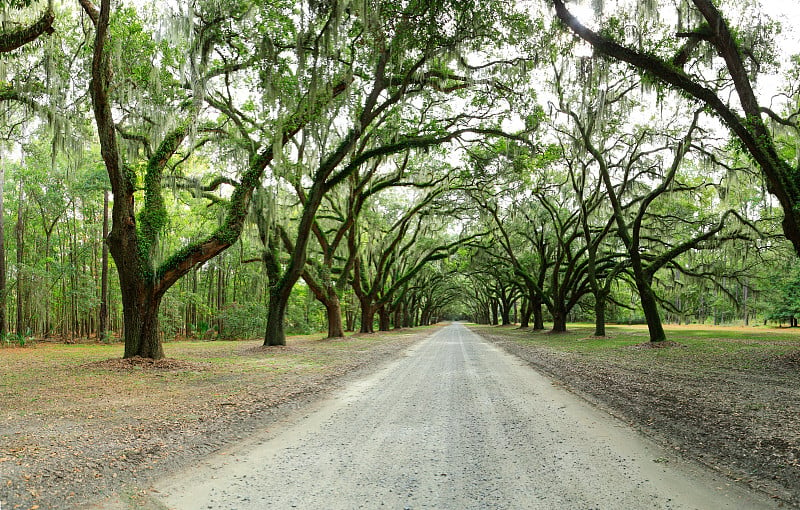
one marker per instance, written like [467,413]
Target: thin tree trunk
[210,299]
[19,230]
[46,328]
[3,327]
[221,286]
[102,333]
[526,310]
[398,316]
[745,311]
[193,305]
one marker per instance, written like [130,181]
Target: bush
[243,320]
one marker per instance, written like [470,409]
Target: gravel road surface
[456,424]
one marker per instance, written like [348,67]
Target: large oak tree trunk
[333,311]
[505,314]
[275,333]
[600,314]
[367,318]
[142,332]
[538,315]
[276,313]
[650,309]
[559,320]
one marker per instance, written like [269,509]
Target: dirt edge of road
[741,425]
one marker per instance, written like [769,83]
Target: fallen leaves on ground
[79,423]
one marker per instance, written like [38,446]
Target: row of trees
[356,146]
[55,245]
[648,212]
[308,109]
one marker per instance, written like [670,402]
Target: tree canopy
[359,164]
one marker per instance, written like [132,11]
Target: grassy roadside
[727,397]
[77,423]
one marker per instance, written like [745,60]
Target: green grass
[705,346]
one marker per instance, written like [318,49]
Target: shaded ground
[78,424]
[727,398]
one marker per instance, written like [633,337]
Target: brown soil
[76,433]
[738,414]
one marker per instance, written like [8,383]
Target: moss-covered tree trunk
[367,317]
[276,315]
[134,238]
[333,311]
[142,332]
[11,40]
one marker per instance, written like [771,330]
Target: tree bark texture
[559,320]
[384,318]
[600,314]
[9,41]
[19,231]
[525,314]
[367,317]
[333,311]
[275,333]
[102,329]
[3,327]
[142,284]
[538,315]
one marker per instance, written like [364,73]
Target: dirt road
[457,423]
